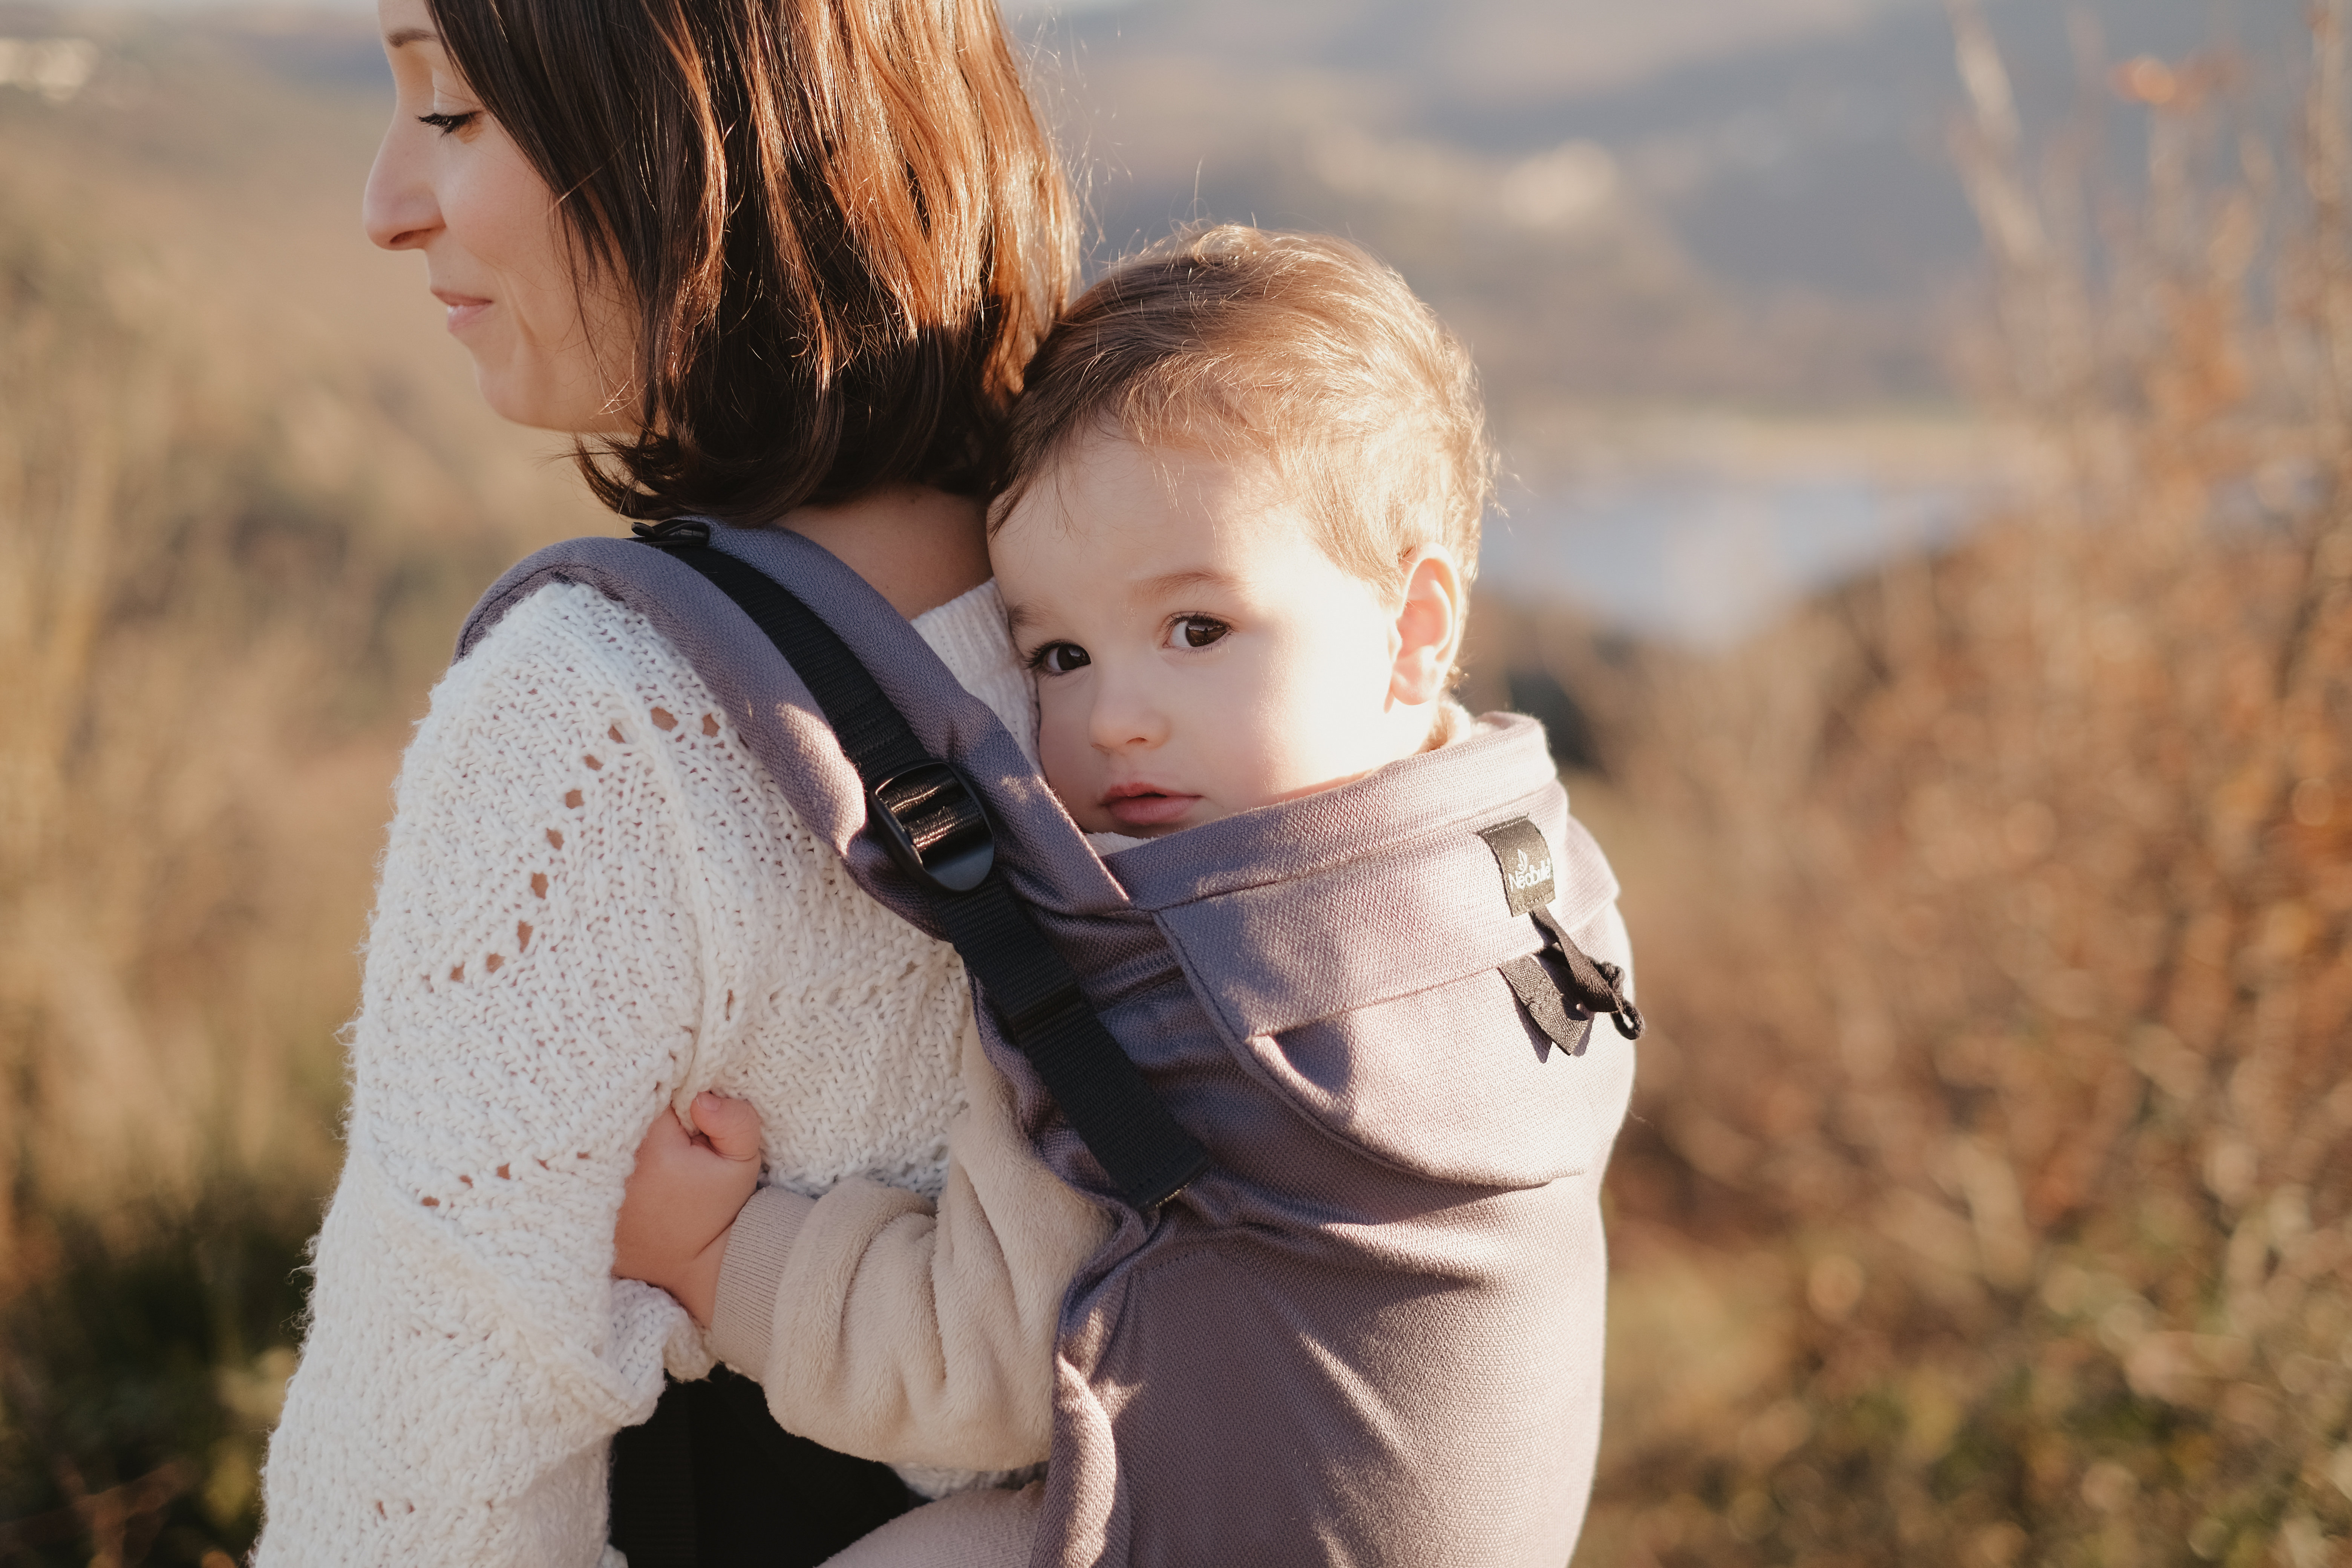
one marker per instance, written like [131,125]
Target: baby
[1236,546]
[1234,538]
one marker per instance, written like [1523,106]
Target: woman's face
[449,182]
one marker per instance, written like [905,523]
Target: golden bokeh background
[1986,1200]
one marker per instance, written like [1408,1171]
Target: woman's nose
[399,209]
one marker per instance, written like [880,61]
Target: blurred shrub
[1985,1202]
[229,566]
[1995,936]
[140,1378]
[200,632]
[161,614]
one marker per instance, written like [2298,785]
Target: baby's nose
[1126,720]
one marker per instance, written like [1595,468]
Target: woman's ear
[1428,625]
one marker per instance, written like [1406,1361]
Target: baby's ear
[1428,625]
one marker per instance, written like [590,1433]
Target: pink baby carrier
[1350,1113]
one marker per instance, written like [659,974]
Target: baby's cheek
[1316,723]
[1068,763]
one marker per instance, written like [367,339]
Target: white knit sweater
[594,902]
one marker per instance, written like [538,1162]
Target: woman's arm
[539,982]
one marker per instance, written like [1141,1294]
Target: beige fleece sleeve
[884,1327]
[984,1529]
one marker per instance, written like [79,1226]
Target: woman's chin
[529,401]
[508,399]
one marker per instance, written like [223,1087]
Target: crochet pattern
[592,903]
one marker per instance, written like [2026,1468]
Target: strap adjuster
[1600,986]
[934,827]
[674,532]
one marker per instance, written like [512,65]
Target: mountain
[1712,199]
[1742,202]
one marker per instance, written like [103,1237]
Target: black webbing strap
[1559,975]
[1599,983]
[936,828]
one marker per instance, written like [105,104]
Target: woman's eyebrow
[407,35]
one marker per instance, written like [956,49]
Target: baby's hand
[683,1197]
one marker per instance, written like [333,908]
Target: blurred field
[1985,1203]
[1987,1200]
[245,488]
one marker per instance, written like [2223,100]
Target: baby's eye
[1060,657]
[1197,631]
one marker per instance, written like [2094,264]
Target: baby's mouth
[1141,805]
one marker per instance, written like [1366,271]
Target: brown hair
[1299,350]
[842,226]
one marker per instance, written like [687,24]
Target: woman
[774,264]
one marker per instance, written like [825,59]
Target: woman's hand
[682,1199]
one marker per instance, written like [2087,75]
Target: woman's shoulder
[567,661]
[572,634]
[574,691]
[568,678]
[573,630]
[575,770]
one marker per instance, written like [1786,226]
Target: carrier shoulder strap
[938,831]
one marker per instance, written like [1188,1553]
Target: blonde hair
[1297,351]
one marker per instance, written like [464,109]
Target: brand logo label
[1525,860]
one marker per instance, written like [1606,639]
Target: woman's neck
[917,547]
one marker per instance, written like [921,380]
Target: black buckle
[934,827]
[674,532]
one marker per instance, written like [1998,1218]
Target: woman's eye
[1198,631]
[445,123]
[1061,657]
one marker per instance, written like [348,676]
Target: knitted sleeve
[554,956]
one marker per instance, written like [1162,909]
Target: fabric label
[1526,862]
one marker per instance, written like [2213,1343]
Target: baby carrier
[1353,1123]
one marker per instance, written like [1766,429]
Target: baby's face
[1196,652]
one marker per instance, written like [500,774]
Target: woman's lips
[464,309]
[1148,808]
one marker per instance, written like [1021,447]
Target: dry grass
[1988,1201]
[227,567]
[238,520]
[1985,1203]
